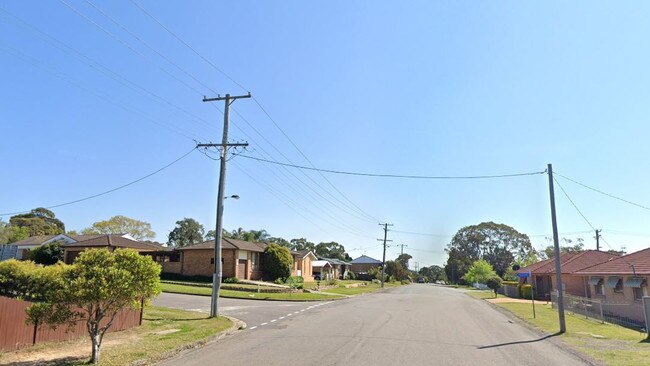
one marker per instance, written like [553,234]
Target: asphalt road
[252,312]
[408,325]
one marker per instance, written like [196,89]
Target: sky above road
[97,94]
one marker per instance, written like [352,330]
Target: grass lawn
[206,291]
[483,294]
[163,330]
[370,287]
[618,345]
[223,285]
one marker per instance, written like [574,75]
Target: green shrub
[351,276]
[333,282]
[277,262]
[279,281]
[525,291]
[231,280]
[47,254]
[494,283]
[405,282]
[295,282]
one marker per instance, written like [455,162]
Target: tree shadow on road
[520,342]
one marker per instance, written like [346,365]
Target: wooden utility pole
[402,245]
[383,260]
[598,239]
[224,145]
[556,245]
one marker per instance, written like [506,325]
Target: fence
[629,315]
[15,333]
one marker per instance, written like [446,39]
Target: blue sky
[432,88]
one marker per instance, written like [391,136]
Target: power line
[605,193]
[186,44]
[390,175]
[110,190]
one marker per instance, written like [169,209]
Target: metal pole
[532,298]
[556,245]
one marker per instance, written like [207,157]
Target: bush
[333,282]
[279,281]
[405,282]
[295,282]
[494,283]
[351,276]
[47,254]
[525,291]
[231,280]
[277,262]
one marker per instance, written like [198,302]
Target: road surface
[407,325]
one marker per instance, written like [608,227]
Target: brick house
[19,249]
[543,272]
[363,264]
[620,284]
[239,258]
[112,242]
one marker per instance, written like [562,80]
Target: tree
[10,234]
[396,270]
[277,262]
[332,250]
[498,244]
[138,230]
[549,251]
[479,272]
[433,273]
[39,221]
[301,244]
[211,234]
[279,241]
[187,232]
[95,288]
[404,259]
[47,254]
[494,283]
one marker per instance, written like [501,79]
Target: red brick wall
[573,285]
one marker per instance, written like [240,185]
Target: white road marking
[302,310]
[296,312]
[274,320]
[289,314]
[264,323]
[251,328]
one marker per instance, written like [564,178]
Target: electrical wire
[110,190]
[604,193]
[574,205]
[390,175]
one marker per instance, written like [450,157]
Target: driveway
[408,325]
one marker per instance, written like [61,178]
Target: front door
[241,269]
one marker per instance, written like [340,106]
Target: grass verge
[608,343]
[163,332]
[370,287]
[483,294]
[204,291]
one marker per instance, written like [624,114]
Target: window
[639,292]
[255,259]
[619,285]
[599,288]
[211,260]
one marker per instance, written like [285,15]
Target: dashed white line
[251,328]
[264,323]
[302,310]
[274,320]
[280,318]
[289,314]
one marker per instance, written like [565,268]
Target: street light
[234,196]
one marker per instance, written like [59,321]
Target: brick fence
[15,333]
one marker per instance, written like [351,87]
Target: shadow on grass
[58,362]
[520,342]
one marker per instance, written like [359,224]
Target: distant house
[322,270]
[543,273]
[19,249]
[340,268]
[364,263]
[111,242]
[620,284]
[302,264]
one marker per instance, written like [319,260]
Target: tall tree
[279,241]
[10,234]
[187,232]
[404,260]
[138,230]
[39,221]
[499,244]
[479,272]
[568,247]
[332,250]
[302,244]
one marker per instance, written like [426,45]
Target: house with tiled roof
[239,258]
[111,242]
[19,249]
[620,283]
[542,274]
[363,264]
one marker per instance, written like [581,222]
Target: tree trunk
[96,348]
